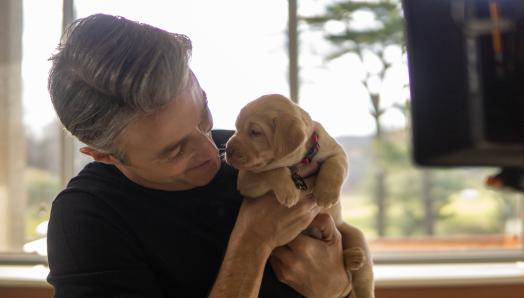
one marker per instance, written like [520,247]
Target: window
[240,52]
[41,175]
[355,81]
[236,56]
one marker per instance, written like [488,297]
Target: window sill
[386,276]
[472,274]
[24,276]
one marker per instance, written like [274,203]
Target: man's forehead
[169,119]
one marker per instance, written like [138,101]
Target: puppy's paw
[324,197]
[287,196]
[354,258]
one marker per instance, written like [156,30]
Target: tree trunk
[380,175]
[380,180]
[429,214]
[380,197]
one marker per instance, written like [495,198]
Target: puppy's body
[273,136]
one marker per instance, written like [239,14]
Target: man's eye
[176,156]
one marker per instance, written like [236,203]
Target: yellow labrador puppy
[278,147]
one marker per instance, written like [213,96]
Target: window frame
[67,156]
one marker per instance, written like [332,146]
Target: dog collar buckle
[299,181]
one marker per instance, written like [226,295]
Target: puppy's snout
[230,151]
[233,152]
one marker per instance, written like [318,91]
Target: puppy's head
[269,130]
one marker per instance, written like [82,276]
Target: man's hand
[314,267]
[267,222]
[262,224]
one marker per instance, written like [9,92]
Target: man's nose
[201,144]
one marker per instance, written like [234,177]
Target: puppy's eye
[254,133]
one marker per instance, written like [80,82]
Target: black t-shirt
[110,237]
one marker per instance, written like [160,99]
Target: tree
[387,30]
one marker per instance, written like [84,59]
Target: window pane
[240,46]
[238,54]
[42,173]
[355,82]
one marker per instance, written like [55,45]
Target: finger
[306,195]
[326,225]
[284,262]
[283,275]
[307,203]
[300,244]
[313,231]
[277,266]
[303,218]
[281,253]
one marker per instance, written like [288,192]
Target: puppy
[278,147]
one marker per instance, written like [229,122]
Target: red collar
[313,150]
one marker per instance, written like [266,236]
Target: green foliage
[41,187]
[389,29]
[392,155]
[476,215]
[405,186]
[454,214]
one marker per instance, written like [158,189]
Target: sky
[239,54]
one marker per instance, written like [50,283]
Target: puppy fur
[272,135]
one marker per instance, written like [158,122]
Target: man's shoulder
[96,175]
[95,183]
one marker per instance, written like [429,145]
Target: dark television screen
[466,68]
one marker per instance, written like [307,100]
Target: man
[157,213]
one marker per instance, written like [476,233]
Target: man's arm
[262,224]
[303,263]
[242,268]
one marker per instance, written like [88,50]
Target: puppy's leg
[357,259]
[252,185]
[283,187]
[329,181]
[278,180]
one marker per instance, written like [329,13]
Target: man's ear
[99,156]
[289,134]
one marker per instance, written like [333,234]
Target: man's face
[172,148]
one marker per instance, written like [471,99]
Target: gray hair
[108,70]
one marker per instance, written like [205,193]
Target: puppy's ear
[290,134]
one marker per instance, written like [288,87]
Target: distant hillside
[359,151]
